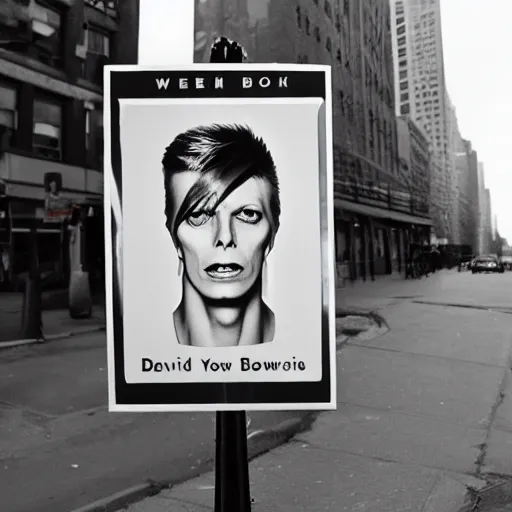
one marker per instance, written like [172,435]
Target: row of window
[316,32]
[47,125]
[41,37]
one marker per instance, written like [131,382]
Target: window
[46,34]
[403,74]
[94,137]
[405,109]
[403,86]
[401,52]
[400,20]
[401,40]
[404,96]
[401,30]
[97,44]
[47,129]
[8,115]
[402,63]
[338,55]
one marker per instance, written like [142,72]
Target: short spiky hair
[225,156]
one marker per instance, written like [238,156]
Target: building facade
[376,216]
[420,92]
[484,215]
[52,54]
[488,232]
[414,153]
[466,171]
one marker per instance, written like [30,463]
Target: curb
[50,337]
[259,442]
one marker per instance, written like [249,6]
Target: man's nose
[225,235]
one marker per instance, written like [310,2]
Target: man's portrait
[222,211]
[218,240]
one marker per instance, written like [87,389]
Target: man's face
[53,187]
[223,252]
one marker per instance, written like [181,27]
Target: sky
[477,38]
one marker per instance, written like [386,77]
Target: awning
[381,213]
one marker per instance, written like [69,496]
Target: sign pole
[232,488]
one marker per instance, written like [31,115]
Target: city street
[439,373]
[424,411]
[59,447]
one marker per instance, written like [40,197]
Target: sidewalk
[420,418]
[56,322]
[385,290]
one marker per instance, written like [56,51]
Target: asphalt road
[59,447]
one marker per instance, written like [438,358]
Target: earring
[180,266]
[264,279]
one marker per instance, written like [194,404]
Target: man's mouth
[224,270]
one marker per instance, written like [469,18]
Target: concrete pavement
[424,411]
[56,322]
[61,449]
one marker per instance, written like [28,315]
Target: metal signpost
[206,233]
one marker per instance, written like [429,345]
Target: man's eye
[250,216]
[199,218]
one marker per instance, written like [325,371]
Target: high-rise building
[377,215]
[468,159]
[420,92]
[52,54]
[414,156]
[485,215]
[488,224]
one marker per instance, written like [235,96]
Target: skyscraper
[420,92]
[354,37]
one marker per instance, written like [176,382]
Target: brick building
[52,54]
[376,215]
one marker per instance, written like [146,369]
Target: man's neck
[213,324]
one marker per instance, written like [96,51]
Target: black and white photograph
[222,264]
[255,255]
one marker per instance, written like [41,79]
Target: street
[424,414]
[59,447]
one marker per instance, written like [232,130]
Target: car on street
[487,263]
[507,262]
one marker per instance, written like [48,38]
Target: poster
[56,208]
[219,237]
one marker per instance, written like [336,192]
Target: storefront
[374,241]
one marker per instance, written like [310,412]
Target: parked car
[487,264]
[507,262]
